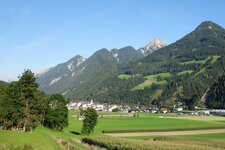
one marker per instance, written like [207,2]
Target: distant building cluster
[97,106]
[199,111]
[177,109]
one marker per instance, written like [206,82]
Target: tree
[2,100]
[11,107]
[28,89]
[22,106]
[42,106]
[20,103]
[57,113]
[216,95]
[90,121]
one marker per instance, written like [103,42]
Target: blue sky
[36,34]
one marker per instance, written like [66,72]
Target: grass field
[105,113]
[185,72]
[44,138]
[146,121]
[144,124]
[200,71]
[218,136]
[152,79]
[38,140]
[203,118]
[143,114]
[124,76]
[214,59]
[193,62]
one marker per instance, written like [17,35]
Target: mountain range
[69,77]
[179,73]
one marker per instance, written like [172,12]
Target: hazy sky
[37,34]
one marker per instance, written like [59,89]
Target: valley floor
[155,129]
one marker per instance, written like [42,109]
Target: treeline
[23,106]
[216,95]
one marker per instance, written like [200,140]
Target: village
[177,109]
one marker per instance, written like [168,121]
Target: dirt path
[168,133]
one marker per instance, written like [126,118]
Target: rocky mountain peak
[155,44]
[152,46]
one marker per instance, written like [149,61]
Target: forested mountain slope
[78,73]
[179,73]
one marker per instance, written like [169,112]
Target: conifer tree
[216,95]
[28,89]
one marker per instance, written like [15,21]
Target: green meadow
[216,136]
[185,72]
[193,62]
[124,76]
[214,59]
[153,79]
[44,138]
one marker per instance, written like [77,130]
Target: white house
[99,107]
[179,109]
[112,107]
[71,105]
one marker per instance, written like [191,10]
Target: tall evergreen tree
[28,89]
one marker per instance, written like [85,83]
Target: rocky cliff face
[152,46]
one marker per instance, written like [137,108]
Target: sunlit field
[118,122]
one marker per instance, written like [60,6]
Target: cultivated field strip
[168,133]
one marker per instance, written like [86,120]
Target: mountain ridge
[190,65]
[77,70]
